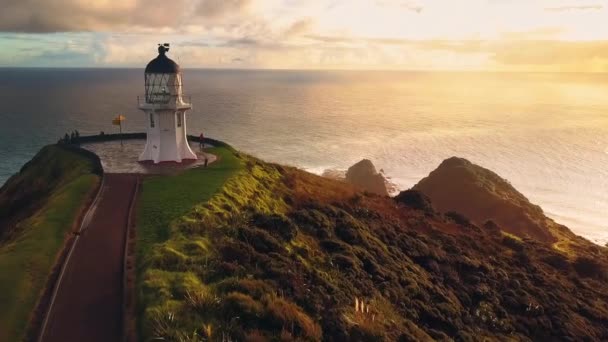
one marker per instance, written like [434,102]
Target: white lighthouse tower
[165,111]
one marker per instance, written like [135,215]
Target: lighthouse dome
[163,79]
[162,64]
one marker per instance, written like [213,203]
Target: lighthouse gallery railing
[163,99]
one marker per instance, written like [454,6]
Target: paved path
[88,304]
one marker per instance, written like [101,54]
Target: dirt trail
[88,304]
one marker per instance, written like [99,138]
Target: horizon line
[315,70]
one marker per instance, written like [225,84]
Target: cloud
[219,8]
[387,34]
[245,41]
[408,5]
[542,33]
[574,8]
[510,52]
[35,16]
[299,27]
[71,51]
[549,53]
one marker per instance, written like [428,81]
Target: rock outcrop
[364,175]
[481,195]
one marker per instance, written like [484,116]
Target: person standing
[201,141]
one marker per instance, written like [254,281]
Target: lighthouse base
[166,139]
[167,152]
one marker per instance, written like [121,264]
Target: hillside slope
[482,195]
[50,169]
[283,254]
[38,207]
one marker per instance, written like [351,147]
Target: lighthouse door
[168,140]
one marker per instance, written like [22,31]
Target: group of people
[71,138]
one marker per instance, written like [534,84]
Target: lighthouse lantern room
[165,111]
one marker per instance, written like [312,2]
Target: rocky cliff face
[481,195]
[364,175]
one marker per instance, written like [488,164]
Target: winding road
[87,304]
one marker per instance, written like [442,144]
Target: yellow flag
[117,120]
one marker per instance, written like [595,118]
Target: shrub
[458,218]
[415,200]
[260,240]
[256,336]
[366,333]
[237,304]
[588,267]
[202,301]
[252,287]
[283,314]
[313,221]
[347,229]
[491,227]
[512,243]
[235,251]
[334,246]
[277,225]
[558,261]
[345,262]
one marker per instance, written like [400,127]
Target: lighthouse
[165,111]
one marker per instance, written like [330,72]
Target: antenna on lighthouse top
[163,48]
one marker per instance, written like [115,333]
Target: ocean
[545,133]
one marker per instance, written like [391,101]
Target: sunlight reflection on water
[547,134]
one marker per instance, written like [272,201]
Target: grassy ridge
[280,254]
[164,199]
[56,183]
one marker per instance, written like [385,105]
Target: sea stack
[165,111]
[364,175]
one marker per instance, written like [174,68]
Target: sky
[484,35]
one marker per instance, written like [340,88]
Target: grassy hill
[166,198]
[251,251]
[274,253]
[37,209]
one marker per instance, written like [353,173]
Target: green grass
[26,260]
[180,245]
[165,199]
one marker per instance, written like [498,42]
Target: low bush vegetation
[280,254]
